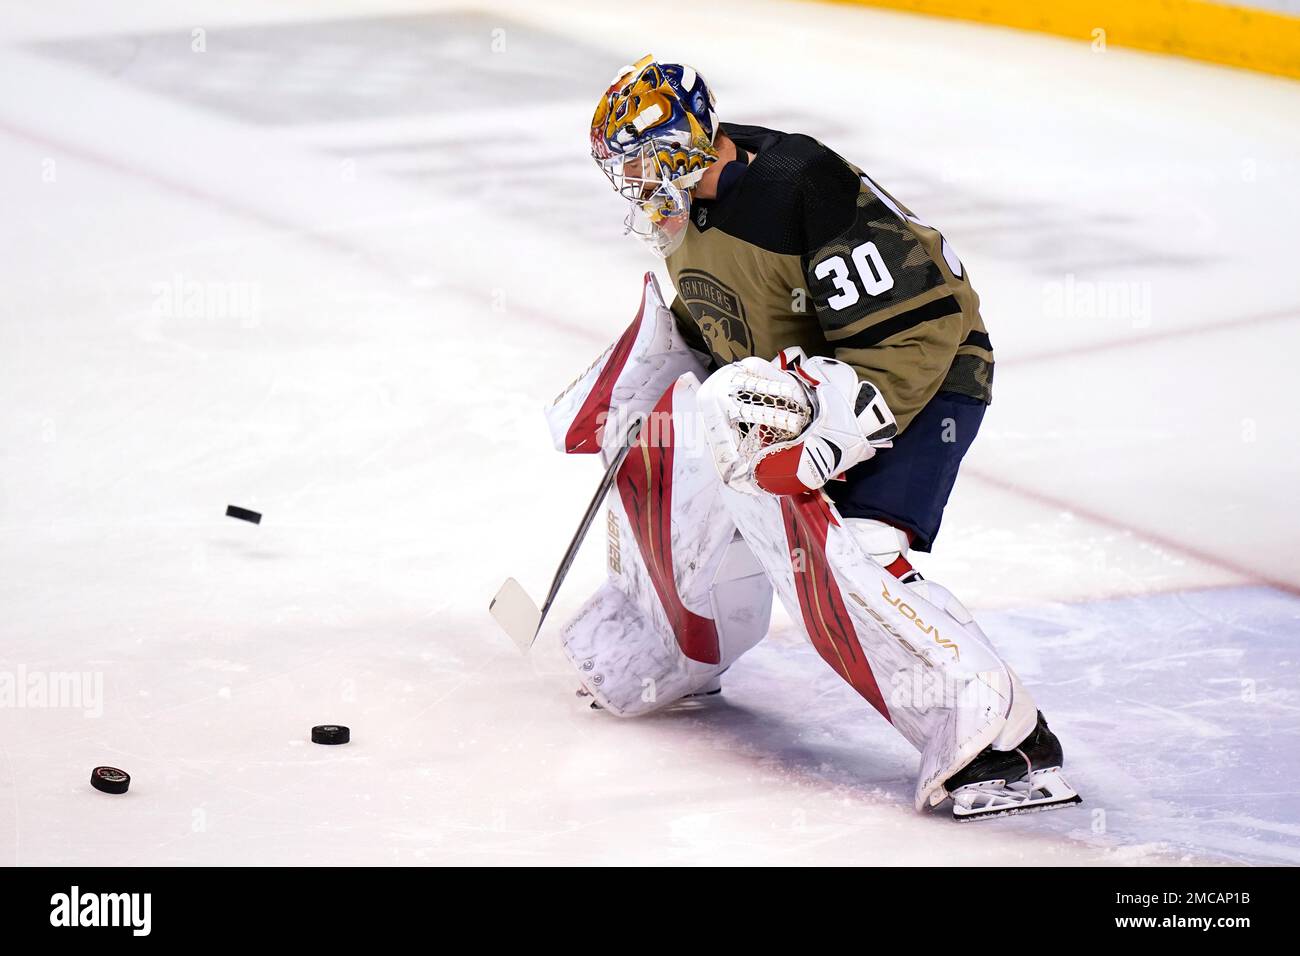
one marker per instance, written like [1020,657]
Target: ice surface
[331,268]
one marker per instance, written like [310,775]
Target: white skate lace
[1029,775]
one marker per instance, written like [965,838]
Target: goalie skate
[1024,780]
[1040,790]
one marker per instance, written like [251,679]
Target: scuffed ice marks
[364,68]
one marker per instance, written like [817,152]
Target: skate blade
[1045,790]
[1011,811]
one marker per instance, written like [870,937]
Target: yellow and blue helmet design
[653,136]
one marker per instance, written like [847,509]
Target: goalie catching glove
[790,425]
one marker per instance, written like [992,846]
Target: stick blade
[517,614]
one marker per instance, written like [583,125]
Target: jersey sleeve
[879,296]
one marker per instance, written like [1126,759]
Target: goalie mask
[652,136]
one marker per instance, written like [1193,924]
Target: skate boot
[1022,780]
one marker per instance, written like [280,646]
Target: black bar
[951,908]
[875,334]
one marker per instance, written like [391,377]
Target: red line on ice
[1151,537]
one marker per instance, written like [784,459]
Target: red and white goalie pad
[684,597]
[687,595]
[626,380]
[929,672]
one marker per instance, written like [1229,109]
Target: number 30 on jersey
[869,272]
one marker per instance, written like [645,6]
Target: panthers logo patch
[719,313]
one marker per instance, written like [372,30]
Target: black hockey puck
[243,514]
[110,779]
[330,734]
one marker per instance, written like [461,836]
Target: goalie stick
[512,608]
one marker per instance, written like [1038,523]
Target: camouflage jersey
[805,249]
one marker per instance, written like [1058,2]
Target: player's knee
[885,543]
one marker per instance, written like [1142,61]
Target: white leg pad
[631,662]
[685,596]
[1023,715]
[930,672]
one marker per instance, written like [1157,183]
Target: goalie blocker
[701,534]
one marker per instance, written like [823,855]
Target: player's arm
[882,301]
[791,425]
